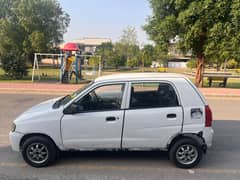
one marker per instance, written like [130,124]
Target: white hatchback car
[138,111]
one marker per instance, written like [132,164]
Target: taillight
[208,116]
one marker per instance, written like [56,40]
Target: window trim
[98,86]
[151,81]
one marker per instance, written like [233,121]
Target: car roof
[137,76]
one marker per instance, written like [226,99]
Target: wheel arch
[196,137]
[27,136]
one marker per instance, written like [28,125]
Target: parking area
[221,162]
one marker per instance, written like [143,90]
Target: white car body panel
[150,128]
[42,119]
[91,130]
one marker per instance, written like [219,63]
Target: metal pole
[100,66]
[61,66]
[76,67]
[34,64]
[225,65]
[38,69]
[143,61]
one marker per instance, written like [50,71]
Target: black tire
[176,155]
[31,149]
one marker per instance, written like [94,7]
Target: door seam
[123,123]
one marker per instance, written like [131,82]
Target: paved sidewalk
[61,89]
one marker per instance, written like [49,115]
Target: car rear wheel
[39,151]
[185,153]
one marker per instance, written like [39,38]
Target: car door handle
[111,118]
[171,116]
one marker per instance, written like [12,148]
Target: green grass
[231,83]
[52,75]
[46,74]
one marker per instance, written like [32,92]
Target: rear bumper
[208,136]
[15,138]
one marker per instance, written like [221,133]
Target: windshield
[64,100]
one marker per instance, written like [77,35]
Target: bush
[192,63]
[132,62]
[231,64]
[14,65]
[94,61]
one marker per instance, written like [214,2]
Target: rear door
[153,117]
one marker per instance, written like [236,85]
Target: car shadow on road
[116,156]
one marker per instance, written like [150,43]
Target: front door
[153,117]
[98,124]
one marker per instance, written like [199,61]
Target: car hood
[41,108]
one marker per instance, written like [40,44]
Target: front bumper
[15,138]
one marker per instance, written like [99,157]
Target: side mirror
[73,109]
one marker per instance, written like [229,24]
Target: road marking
[190,171]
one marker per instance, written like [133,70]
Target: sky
[105,18]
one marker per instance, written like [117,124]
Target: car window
[104,98]
[152,94]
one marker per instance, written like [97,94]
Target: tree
[115,60]
[124,52]
[192,64]
[105,51]
[133,62]
[129,36]
[147,55]
[29,26]
[127,47]
[207,28]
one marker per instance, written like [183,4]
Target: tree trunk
[199,71]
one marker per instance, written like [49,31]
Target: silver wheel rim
[186,154]
[37,153]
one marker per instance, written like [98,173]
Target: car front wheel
[185,153]
[39,151]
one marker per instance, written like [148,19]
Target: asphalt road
[221,162]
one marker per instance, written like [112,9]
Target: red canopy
[70,47]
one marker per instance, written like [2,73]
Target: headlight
[13,127]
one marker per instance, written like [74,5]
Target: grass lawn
[46,74]
[52,75]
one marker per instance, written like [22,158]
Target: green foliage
[129,36]
[115,60]
[105,50]
[110,55]
[29,26]
[121,53]
[192,63]
[160,54]
[148,55]
[133,62]
[14,65]
[207,28]
[94,61]
[231,64]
